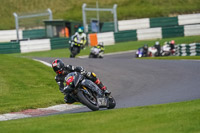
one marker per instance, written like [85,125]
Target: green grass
[124,46]
[71,9]
[26,84]
[180,117]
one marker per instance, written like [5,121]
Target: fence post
[16,25]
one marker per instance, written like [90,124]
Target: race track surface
[135,82]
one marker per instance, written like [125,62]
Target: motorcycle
[152,52]
[88,93]
[166,50]
[75,47]
[95,53]
[141,53]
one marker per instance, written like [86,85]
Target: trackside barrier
[7,35]
[189,19]
[9,47]
[163,22]
[133,24]
[192,49]
[34,34]
[35,45]
[57,43]
[192,30]
[93,39]
[151,33]
[107,38]
[123,36]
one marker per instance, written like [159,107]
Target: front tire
[111,102]
[84,100]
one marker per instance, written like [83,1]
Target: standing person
[78,41]
[62,71]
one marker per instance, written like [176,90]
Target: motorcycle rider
[145,50]
[157,46]
[172,47]
[79,39]
[101,48]
[62,71]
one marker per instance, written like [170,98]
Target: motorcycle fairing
[92,86]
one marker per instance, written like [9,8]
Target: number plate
[102,101]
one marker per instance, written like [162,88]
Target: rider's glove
[81,70]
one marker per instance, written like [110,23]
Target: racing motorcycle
[75,47]
[139,52]
[88,93]
[166,50]
[95,53]
[152,52]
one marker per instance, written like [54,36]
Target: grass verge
[26,84]
[180,117]
[71,9]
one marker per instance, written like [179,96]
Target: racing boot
[102,87]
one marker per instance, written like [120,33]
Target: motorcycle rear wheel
[86,101]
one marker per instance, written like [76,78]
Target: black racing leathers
[60,78]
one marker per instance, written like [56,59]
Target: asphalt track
[138,82]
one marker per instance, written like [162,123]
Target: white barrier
[190,30]
[7,35]
[107,38]
[189,19]
[152,33]
[35,45]
[133,24]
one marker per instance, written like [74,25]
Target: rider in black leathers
[157,46]
[62,71]
[145,50]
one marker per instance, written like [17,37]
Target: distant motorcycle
[88,93]
[166,50]
[75,47]
[95,53]
[139,53]
[152,51]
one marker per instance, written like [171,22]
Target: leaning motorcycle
[88,93]
[139,53]
[75,47]
[95,53]
[166,50]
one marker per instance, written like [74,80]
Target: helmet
[172,42]
[157,43]
[100,44]
[80,30]
[58,66]
[145,46]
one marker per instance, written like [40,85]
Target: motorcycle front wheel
[87,100]
[111,102]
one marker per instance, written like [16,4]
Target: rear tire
[86,102]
